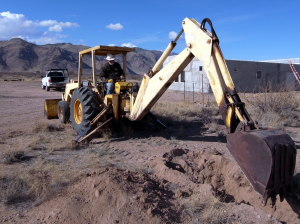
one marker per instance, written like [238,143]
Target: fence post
[193,93]
[202,91]
[184,91]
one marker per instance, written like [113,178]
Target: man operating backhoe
[112,72]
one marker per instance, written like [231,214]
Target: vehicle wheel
[84,108]
[43,87]
[63,111]
[47,88]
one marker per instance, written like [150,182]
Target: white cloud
[123,45]
[55,28]
[68,25]
[173,35]
[44,40]
[17,25]
[116,26]
[48,23]
[128,45]
[54,23]
[41,40]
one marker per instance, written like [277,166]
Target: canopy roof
[101,50]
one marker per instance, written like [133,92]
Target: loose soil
[173,176]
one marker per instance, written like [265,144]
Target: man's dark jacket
[111,71]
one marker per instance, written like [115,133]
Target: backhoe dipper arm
[205,46]
[266,156]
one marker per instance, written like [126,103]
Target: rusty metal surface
[267,158]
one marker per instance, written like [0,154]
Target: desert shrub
[212,127]
[13,156]
[221,133]
[211,209]
[29,186]
[35,185]
[278,108]
[42,126]
[14,190]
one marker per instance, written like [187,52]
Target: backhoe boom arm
[203,45]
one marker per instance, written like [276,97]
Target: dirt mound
[224,175]
[186,187]
[110,195]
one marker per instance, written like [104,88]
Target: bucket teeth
[267,157]
[284,159]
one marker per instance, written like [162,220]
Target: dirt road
[22,105]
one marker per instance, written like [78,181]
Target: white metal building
[247,76]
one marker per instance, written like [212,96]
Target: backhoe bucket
[267,157]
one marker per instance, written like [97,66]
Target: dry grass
[278,108]
[53,137]
[51,156]
[183,112]
[36,184]
[21,76]
[213,210]
[210,209]
[106,134]
[13,156]
[43,126]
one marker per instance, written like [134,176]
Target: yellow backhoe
[266,156]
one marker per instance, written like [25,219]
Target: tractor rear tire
[43,87]
[84,108]
[63,111]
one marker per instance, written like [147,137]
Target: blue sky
[248,30]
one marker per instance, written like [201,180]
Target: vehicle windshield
[52,74]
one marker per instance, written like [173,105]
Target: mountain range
[18,55]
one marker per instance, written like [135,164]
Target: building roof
[294,61]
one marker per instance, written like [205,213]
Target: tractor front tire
[47,88]
[84,108]
[63,111]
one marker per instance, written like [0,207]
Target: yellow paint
[212,80]
[107,99]
[116,106]
[77,110]
[68,91]
[120,86]
[51,108]
[229,116]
